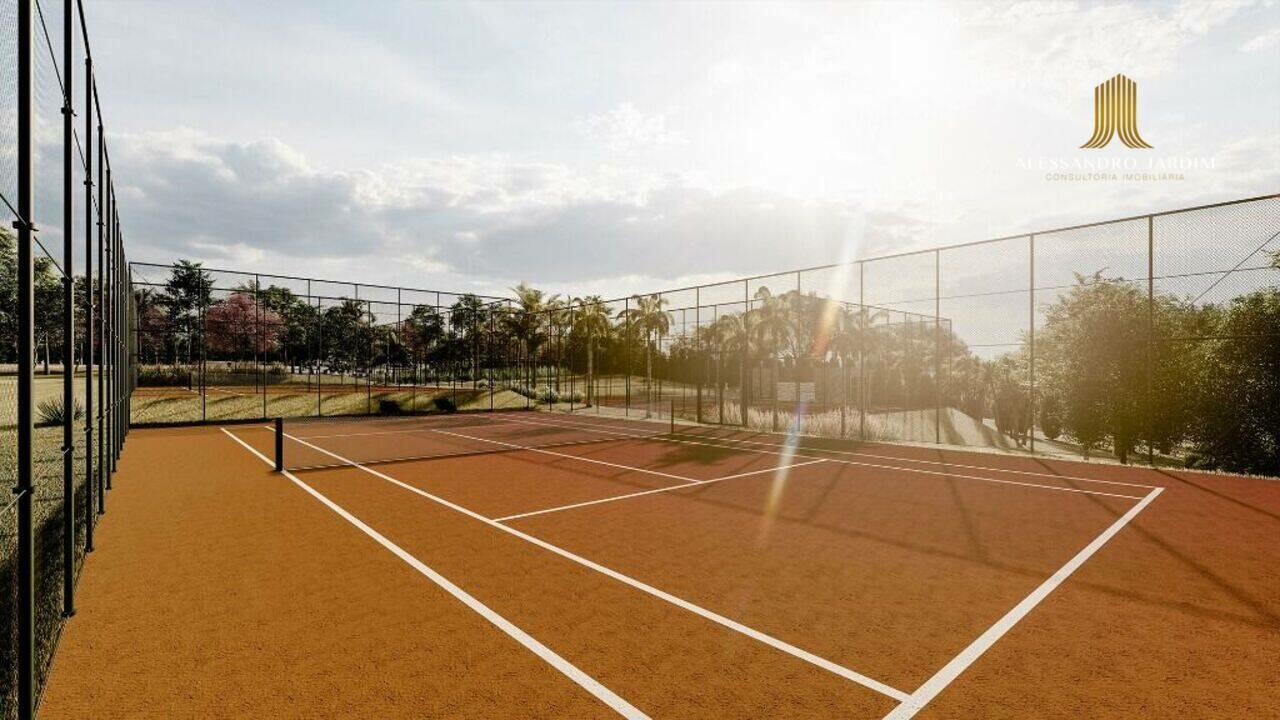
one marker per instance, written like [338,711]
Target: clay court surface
[550,565]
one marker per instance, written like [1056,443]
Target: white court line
[653,492]
[945,464]
[949,672]
[514,446]
[897,468]
[893,457]
[568,669]
[717,618]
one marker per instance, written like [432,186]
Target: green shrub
[163,376]
[548,395]
[49,412]
[1051,417]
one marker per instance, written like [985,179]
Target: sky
[615,148]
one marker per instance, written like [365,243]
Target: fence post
[745,400]
[102,325]
[1031,340]
[68,335]
[88,304]
[626,373]
[863,333]
[937,346]
[26,368]
[1151,338]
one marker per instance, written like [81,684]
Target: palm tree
[647,319]
[728,333]
[591,320]
[423,330]
[526,320]
[774,326]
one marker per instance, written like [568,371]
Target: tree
[151,325]
[774,326]
[343,335]
[238,326]
[1116,381]
[469,315]
[527,322]
[8,296]
[187,291]
[48,307]
[423,332]
[1092,351]
[1237,418]
[647,320]
[591,321]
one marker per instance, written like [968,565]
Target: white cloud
[1060,46]
[489,217]
[1264,42]
[626,129]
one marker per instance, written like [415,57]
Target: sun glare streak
[835,291]
[778,487]
[823,333]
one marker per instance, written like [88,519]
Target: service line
[653,492]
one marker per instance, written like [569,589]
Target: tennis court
[536,564]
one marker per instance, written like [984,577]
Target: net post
[279,444]
[673,416]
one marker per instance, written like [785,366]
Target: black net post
[279,436]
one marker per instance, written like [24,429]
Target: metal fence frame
[106,305]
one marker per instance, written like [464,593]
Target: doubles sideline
[566,668]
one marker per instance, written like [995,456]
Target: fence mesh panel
[973,345]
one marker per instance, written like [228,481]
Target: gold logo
[1115,112]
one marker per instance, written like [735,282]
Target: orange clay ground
[690,578]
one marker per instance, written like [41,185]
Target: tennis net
[303,444]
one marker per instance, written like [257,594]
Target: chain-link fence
[65,301]
[1146,338]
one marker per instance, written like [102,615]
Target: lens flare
[778,487]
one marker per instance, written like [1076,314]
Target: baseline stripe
[568,669]
[514,446]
